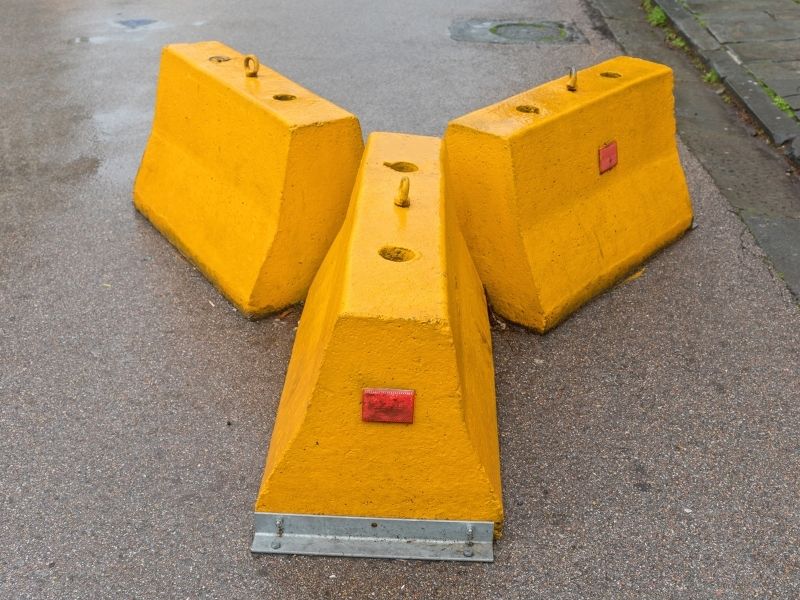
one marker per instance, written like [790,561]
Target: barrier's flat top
[551,100]
[396,257]
[280,95]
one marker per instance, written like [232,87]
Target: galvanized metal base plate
[373,538]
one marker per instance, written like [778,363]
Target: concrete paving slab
[783,77]
[649,444]
[770,8]
[769,50]
[746,26]
[703,6]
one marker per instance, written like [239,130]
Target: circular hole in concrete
[610,74]
[528,108]
[284,97]
[396,253]
[402,166]
[219,59]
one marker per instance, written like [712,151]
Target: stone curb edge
[780,128]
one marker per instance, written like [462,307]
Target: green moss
[655,15]
[778,101]
[712,77]
[677,41]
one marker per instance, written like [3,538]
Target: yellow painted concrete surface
[249,176]
[547,230]
[397,304]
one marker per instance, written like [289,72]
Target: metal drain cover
[507,31]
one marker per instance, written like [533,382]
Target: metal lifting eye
[251,65]
[572,84]
[401,199]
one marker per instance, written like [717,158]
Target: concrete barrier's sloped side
[248,176]
[560,193]
[397,305]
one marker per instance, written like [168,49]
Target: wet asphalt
[650,444]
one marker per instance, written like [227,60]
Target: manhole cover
[516,32]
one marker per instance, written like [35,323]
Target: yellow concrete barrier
[388,409]
[246,172]
[561,192]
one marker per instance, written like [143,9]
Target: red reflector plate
[381,405]
[608,157]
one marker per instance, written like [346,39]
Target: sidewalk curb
[781,129]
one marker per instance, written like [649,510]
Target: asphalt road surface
[650,444]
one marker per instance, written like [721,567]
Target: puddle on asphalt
[128,25]
[95,39]
[122,119]
[136,23]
